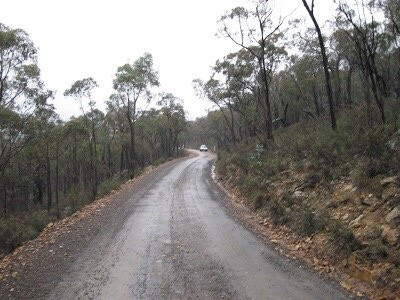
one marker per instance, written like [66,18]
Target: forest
[50,167]
[286,73]
[307,127]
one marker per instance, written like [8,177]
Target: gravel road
[166,237]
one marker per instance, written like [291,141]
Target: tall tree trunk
[109,160]
[350,86]
[74,161]
[316,103]
[95,179]
[325,63]
[132,155]
[338,92]
[5,200]
[39,195]
[57,185]
[261,101]
[375,92]
[48,178]
[91,180]
[285,115]
[367,96]
[398,77]
[265,89]
[233,134]
[121,166]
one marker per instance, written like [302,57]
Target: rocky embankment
[373,270]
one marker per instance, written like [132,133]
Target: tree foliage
[60,165]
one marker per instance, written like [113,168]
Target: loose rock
[394,216]
[390,235]
[389,180]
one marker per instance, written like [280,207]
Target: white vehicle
[203,148]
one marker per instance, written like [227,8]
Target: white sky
[82,38]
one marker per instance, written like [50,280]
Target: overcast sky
[82,38]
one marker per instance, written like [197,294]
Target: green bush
[159,161]
[249,184]
[307,222]
[277,212]
[107,186]
[259,200]
[375,251]
[15,230]
[343,238]
[37,220]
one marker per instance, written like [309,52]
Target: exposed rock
[345,217]
[389,180]
[345,197]
[389,193]
[349,187]
[356,221]
[298,194]
[394,216]
[370,200]
[265,182]
[390,235]
[394,143]
[332,203]
[394,201]
[50,225]
[370,231]
[309,182]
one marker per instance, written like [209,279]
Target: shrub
[394,257]
[249,184]
[15,230]
[159,161]
[38,220]
[259,200]
[375,251]
[343,238]
[107,186]
[307,222]
[277,212]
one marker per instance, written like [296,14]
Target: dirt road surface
[166,237]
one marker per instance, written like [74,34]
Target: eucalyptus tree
[391,9]
[392,12]
[21,91]
[82,90]
[214,91]
[342,45]
[134,82]
[358,22]
[241,93]
[45,124]
[174,121]
[253,30]
[306,73]
[325,62]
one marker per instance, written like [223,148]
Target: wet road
[175,240]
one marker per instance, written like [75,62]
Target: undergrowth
[366,154]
